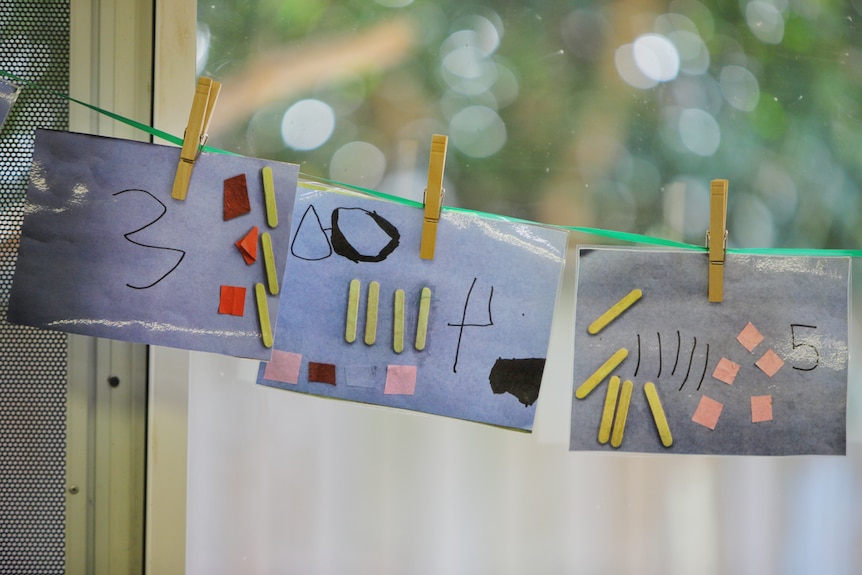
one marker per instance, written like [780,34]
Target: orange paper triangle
[247,246]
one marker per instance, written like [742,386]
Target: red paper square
[726,371]
[761,408]
[707,412]
[232,300]
[770,363]
[321,372]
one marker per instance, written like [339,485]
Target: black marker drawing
[313,246]
[638,365]
[658,335]
[520,377]
[705,363]
[676,361]
[690,361]
[344,248]
[464,323]
[808,345]
[143,245]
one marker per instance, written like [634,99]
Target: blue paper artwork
[363,318]
[658,368]
[8,96]
[105,251]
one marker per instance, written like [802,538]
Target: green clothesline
[610,234]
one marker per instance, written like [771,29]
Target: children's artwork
[8,96]
[658,368]
[363,318]
[105,251]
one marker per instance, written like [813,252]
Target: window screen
[34,44]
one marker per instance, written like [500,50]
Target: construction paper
[781,331]
[8,96]
[105,251]
[749,337]
[247,246]
[400,380]
[726,371]
[707,413]
[236,202]
[770,363]
[761,408]
[492,286]
[232,300]
[321,372]
[283,367]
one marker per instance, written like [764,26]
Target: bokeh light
[740,88]
[307,124]
[358,163]
[477,131]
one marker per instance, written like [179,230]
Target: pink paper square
[283,367]
[726,371]
[770,363]
[749,337]
[707,412]
[761,408]
[400,380]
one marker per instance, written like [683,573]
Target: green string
[599,232]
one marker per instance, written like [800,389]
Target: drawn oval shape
[363,236]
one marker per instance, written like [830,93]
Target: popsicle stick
[263,314]
[608,411]
[614,311]
[269,263]
[398,322]
[601,373]
[269,197]
[658,414]
[622,414]
[352,311]
[371,313]
[422,323]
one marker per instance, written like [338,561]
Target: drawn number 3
[813,349]
[128,236]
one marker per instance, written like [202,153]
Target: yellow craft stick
[352,311]
[371,313]
[269,263]
[658,414]
[622,413]
[615,310]
[269,197]
[398,323]
[263,314]
[608,411]
[601,373]
[422,323]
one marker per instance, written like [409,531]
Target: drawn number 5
[796,345]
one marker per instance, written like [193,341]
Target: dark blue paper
[484,357]
[83,268]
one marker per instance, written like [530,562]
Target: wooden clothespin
[433,196]
[196,134]
[716,238]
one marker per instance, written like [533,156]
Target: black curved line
[658,335]
[344,248]
[143,245]
[462,325]
[637,367]
[676,361]
[690,361]
[705,363]
[319,225]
